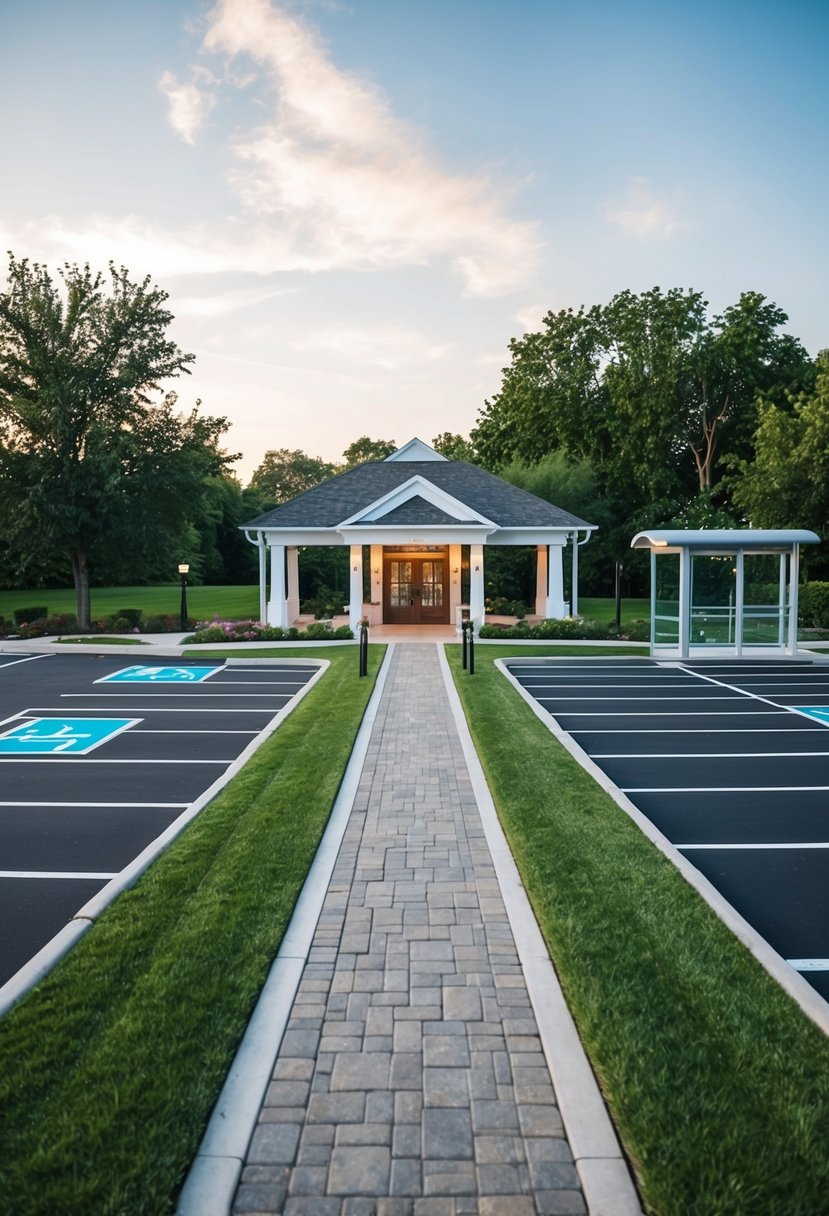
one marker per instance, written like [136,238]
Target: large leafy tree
[286,472]
[646,388]
[364,449]
[94,462]
[787,483]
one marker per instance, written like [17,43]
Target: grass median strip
[112,1065]
[718,1084]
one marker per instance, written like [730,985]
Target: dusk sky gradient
[354,206]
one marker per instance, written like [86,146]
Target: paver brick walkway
[411,1080]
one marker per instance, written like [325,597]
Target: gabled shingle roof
[347,494]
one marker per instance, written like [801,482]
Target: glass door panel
[400,584]
[431,582]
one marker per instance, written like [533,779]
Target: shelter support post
[781,602]
[684,602]
[794,578]
[556,606]
[739,603]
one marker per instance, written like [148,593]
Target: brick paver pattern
[411,1080]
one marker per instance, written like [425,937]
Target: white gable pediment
[417,487]
[415,450]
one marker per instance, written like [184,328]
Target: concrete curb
[51,954]
[800,990]
[211,1183]
[605,1178]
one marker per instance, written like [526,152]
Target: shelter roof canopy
[724,539]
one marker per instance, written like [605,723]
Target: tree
[646,388]
[284,473]
[364,449]
[786,485]
[455,447]
[89,465]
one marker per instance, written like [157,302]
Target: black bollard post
[363,648]
[472,648]
[463,631]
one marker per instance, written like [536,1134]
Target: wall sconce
[477,569]
[376,569]
[455,571]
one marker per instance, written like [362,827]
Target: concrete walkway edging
[807,998]
[211,1183]
[605,1178]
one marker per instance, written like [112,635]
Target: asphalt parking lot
[730,760]
[101,754]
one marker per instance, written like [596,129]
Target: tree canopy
[95,462]
[646,388]
[286,472]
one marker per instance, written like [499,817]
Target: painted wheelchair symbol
[159,675]
[61,736]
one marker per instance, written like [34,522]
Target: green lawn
[231,603]
[717,1083]
[111,1066]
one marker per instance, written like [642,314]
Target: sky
[355,206]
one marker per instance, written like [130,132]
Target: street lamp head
[183,568]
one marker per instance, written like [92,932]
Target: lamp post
[184,570]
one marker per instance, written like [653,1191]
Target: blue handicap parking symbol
[61,736]
[820,712]
[159,675]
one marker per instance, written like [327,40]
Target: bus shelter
[724,591]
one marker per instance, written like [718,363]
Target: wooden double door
[416,590]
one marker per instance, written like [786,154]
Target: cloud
[644,214]
[189,106]
[331,179]
[345,182]
[224,302]
[391,348]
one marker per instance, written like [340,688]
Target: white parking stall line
[597,687]
[659,699]
[139,806]
[155,709]
[666,713]
[142,731]
[152,696]
[812,844]
[257,683]
[721,789]
[809,964]
[699,755]
[55,874]
[30,659]
[45,758]
[697,730]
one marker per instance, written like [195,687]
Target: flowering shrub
[45,626]
[255,631]
[570,627]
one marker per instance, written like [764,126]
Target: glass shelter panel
[765,599]
[666,600]
[713,599]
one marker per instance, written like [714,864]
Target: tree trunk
[80,573]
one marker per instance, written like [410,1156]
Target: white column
[355,588]
[293,584]
[556,607]
[574,578]
[376,613]
[263,579]
[541,581]
[277,608]
[454,581]
[476,584]
[653,600]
